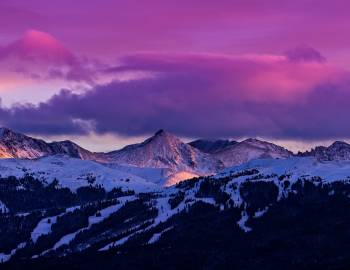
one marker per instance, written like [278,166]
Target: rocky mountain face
[164,157]
[164,150]
[248,150]
[211,146]
[337,151]
[17,145]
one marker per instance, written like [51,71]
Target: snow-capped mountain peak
[165,150]
[17,145]
[250,149]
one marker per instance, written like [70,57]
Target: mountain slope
[17,145]
[211,146]
[73,173]
[248,150]
[336,151]
[251,205]
[164,150]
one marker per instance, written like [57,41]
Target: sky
[111,72]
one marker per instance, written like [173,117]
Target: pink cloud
[202,95]
[38,46]
[111,28]
[257,77]
[39,55]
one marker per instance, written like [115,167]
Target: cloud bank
[293,96]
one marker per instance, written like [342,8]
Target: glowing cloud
[202,95]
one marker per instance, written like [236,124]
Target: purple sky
[119,70]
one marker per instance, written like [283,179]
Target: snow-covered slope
[164,150]
[243,197]
[308,168]
[248,150]
[74,173]
[154,175]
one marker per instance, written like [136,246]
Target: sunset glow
[229,69]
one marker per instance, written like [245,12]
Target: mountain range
[62,206]
[170,159]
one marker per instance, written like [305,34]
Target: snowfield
[297,167]
[74,173]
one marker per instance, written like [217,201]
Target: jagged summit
[4,131]
[17,145]
[338,144]
[339,150]
[165,150]
[159,132]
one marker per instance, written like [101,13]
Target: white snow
[298,168]
[104,213]
[5,257]
[242,222]
[74,173]
[124,239]
[155,237]
[44,226]
[3,208]
[260,213]
[164,212]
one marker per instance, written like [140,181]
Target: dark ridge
[211,146]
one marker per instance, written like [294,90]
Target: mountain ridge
[338,150]
[18,145]
[164,150]
[211,145]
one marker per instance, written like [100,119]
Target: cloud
[305,53]
[39,55]
[201,95]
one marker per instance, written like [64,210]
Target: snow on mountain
[178,177]
[295,168]
[252,190]
[231,180]
[164,150]
[155,175]
[17,145]
[162,159]
[74,173]
[248,150]
[3,208]
[73,150]
[211,146]
[336,151]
